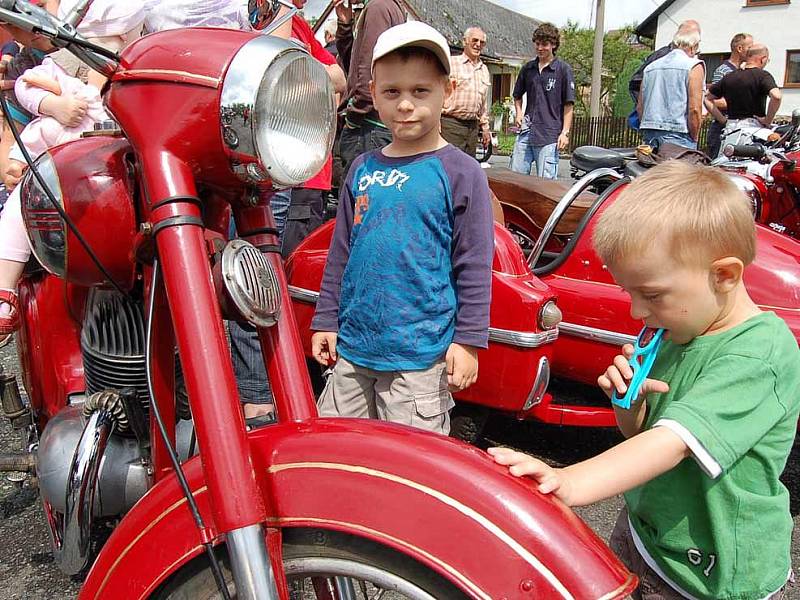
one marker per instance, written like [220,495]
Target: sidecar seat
[537,197]
[589,158]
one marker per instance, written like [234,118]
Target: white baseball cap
[413,33]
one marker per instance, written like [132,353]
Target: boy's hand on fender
[462,366]
[323,347]
[550,480]
[619,374]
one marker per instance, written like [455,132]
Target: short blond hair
[698,211]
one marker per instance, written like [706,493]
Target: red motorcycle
[150,483]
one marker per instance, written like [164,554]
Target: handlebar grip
[754,151]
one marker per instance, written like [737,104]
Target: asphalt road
[26,564]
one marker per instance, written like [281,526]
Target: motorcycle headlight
[46,230]
[277,112]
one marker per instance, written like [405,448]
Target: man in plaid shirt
[465,113]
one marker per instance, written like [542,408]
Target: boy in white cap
[404,303]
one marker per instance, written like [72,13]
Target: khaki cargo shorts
[417,398]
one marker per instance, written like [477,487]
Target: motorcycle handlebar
[752,151]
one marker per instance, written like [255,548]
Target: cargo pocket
[432,411]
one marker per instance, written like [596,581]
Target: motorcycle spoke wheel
[326,565]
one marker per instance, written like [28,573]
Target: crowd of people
[670,91]
[404,303]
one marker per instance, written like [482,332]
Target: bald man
[635,84]
[746,92]
[465,116]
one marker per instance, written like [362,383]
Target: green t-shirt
[718,524]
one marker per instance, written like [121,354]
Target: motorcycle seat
[589,158]
[537,197]
[635,168]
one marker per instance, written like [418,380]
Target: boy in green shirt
[712,428]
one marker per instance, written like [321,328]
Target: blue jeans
[656,137]
[279,203]
[525,154]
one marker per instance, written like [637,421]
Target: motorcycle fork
[237,501]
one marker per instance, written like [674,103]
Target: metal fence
[612,132]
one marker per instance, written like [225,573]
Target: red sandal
[9,323]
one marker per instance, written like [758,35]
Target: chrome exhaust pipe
[71,544]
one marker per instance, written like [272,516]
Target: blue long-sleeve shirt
[409,266]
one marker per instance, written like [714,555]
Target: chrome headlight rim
[241,99]
[45,165]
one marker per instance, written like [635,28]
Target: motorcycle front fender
[433,498]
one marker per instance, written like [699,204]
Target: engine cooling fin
[113,344]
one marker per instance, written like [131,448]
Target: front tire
[321,554]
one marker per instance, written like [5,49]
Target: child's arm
[67,109]
[326,315]
[613,472]
[473,250]
[616,377]
[43,82]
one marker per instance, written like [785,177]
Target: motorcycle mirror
[261,13]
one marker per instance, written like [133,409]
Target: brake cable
[173,456]
[51,197]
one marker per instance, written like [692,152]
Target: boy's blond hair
[698,211]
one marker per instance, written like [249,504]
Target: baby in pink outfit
[67,107]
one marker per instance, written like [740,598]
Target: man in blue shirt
[549,87]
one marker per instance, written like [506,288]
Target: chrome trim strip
[540,384]
[303,295]
[596,335]
[523,339]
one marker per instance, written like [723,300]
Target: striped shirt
[469,100]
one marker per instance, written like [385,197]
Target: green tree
[618,55]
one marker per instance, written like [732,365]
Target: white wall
[720,20]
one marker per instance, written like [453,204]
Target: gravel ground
[26,564]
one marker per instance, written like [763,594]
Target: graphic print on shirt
[360,209]
[397,297]
[551,83]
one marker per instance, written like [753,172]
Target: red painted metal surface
[207,368]
[495,536]
[97,187]
[48,342]
[507,372]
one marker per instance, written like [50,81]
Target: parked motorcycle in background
[762,162]
[149,482]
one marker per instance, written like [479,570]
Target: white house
[772,22]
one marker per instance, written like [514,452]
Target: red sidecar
[542,254]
